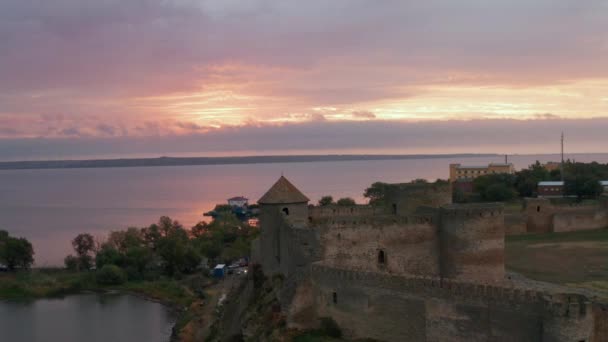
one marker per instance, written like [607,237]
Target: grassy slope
[571,258]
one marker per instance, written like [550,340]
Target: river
[86,317]
[50,207]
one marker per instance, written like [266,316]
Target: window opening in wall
[381,257]
[394,209]
[538,208]
[285,211]
[335,297]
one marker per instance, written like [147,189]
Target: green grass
[47,283]
[589,235]
[577,259]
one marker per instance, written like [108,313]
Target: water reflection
[87,317]
[50,207]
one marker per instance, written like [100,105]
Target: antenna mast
[561,168]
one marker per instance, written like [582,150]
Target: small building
[239,202]
[219,271]
[604,184]
[460,172]
[550,189]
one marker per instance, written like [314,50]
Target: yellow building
[460,172]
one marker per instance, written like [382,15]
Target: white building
[239,201]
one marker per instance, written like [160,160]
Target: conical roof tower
[283,192]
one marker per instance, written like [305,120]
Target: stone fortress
[418,268]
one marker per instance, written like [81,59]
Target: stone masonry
[416,269]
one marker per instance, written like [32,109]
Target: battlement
[373,220]
[563,305]
[472,210]
[318,212]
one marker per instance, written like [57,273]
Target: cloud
[157,67]
[320,137]
[71,132]
[363,114]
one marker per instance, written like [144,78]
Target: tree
[526,180]
[107,255]
[177,254]
[71,262]
[377,193]
[346,201]
[584,186]
[15,252]
[111,275]
[498,193]
[495,187]
[326,200]
[84,246]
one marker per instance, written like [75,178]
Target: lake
[86,317]
[50,207]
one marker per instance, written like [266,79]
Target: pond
[86,317]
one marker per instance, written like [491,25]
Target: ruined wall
[391,244]
[397,308]
[600,318]
[472,242]
[539,215]
[579,220]
[542,216]
[515,223]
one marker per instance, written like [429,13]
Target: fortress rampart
[390,307]
[543,216]
[413,267]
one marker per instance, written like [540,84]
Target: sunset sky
[212,77]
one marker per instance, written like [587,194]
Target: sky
[82,78]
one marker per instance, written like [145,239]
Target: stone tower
[282,205]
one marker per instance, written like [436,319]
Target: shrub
[111,275]
[330,328]
[71,262]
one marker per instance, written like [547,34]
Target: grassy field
[572,258]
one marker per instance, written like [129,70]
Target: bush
[111,275]
[346,201]
[71,262]
[330,328]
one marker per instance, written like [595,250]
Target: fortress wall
[539,215]
[472,242]
[600,317]
[542,216]
[409,245]
[515,223]
[320,212]
[579,220]
[397,308]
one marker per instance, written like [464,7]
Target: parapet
[317,212]
[562,305]
[472,210]
[373,220]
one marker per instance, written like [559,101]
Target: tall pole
[561,171]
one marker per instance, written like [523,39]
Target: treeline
[15,253]
[165,249]
[581,180]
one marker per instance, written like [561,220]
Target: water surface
[86,317]
[50,207]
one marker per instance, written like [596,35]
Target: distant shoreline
[195,161]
